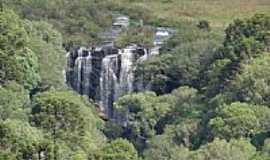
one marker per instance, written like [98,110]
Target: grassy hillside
[218,12]
[81,21]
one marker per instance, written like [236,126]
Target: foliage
[14,102]
[20,138]
[204,25]
[188,103]
[69,118]
[181,61]
[221,150]
[79,21]
[17,61]
[252,83]
[213,75]
[46,42]
[244,40]
[186,133]
[7,155]
[143,111]
[119,149]
[142,36]
[163,148]
[147,115]
[113,130]
[240,120]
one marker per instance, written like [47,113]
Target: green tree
[240,120]
[46,42]
[119,149]
[152,73]
[162,147]
[252,83]
[247,37]
[14,102]
[244,40]
[17,61]
[22,140]
[211,82]
[67,118]
[186,133]
[188,102]
[143,111]
[186,105]
[221,150]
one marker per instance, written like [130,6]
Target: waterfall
[79,69]
[116,78]
[104,73]
[126,73]
[78,78]
[109,84]
[87,70]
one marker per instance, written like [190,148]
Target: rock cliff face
[105,73]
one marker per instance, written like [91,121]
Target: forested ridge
[208,94]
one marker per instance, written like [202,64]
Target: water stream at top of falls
[105,73]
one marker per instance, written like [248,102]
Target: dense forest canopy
[209,88]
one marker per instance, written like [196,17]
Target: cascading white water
[109,84]
[126,73]
[87,70]
[78,70]
[116,78]
[83,69]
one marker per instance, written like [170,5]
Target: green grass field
[218,12]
